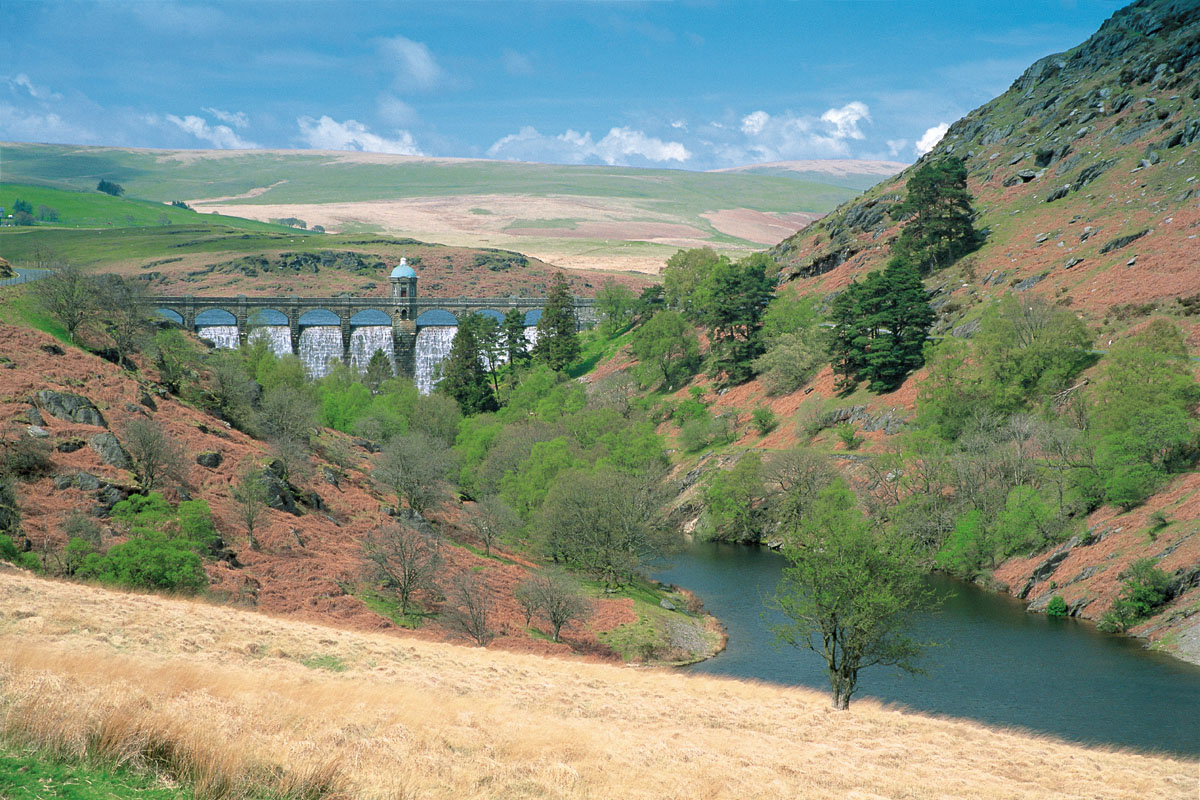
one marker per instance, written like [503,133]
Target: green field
[300,177]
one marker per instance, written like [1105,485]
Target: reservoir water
[995,662]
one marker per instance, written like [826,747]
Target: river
[994,662]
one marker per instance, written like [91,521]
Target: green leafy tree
[464,376]
[557,343]
[939,227]
[667,349]
[849,592]
[791,360]
[615,303]
[177,359]
[685,274]
[732,501]
[1144,590]
[109,187]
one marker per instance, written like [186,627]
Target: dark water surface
[995,663]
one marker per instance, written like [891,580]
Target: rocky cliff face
[1085,174]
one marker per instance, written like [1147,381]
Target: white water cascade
[318,344]
[365,340]
[278,337]
[433,345]
[220,335]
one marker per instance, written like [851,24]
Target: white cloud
[515,63]
[619,146]
[219,136]
[237,119]
[22,84]
[414,66]
[22,125]
[896,145]
[845,120]
[328,134]
[754,122]
[679,124]
[930,138]
[395,112]
[788,136]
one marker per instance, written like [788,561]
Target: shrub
[151,560]
[26,458]
[764,419]
[14,555]
[1145,589]
[849,436]
[1057,607]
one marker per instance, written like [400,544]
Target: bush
[849,436]
[1145,590]
[26,458]
[151,560]
[705,431]
[764,420]
[108,187]
[14,555]
[1057,607]
[790,362]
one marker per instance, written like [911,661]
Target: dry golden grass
[221,698]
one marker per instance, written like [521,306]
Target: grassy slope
[87,208]
[325,178]
[235,695]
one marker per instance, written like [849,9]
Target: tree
[732,302]
[849,590]
[880,327]
[731,501]
[939,228]
[667,348]
[516,346]
[614,302]
[22,207]
[557,342]
[379,369]
[176,358]
[684,274]
[288,414]
[795,478]
[121,315]
[556,597]
[464,376]
[402,559]
[108,187]
[790,361]
[68,295]
[602,522]
[250,496]
[471,608]
[413,467]
[155,455]
[492,520]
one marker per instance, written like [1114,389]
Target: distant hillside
[1085,179]
[851,173]
[574,216]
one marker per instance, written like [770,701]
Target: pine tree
[516,346]
[557,344]
[940,229]
[379,369]
[880,328]
[733,301]
[464,377]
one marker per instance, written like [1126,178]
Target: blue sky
[692,85]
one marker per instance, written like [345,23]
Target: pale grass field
[220,698]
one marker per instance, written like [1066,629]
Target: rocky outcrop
[70,407]
[210,459]
[110,450]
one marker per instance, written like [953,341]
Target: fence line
[25,275]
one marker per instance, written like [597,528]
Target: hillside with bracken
[1084,178]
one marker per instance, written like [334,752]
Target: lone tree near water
[849,592]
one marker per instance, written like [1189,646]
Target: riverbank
[213,693]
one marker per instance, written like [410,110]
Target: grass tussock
[222,701]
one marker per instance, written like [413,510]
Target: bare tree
[798,476]
[250,495]
[402,559]
[122,315]
[288,414]
[556,597]
[156,456]
[69,295]
[492,520]
[470,608]
[414,468]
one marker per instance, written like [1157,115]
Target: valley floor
[224,697]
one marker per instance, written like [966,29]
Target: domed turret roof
[403,270]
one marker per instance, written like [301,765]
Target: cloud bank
[930,138]
[328,134]
[620,146]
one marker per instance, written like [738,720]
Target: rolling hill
[571,216]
